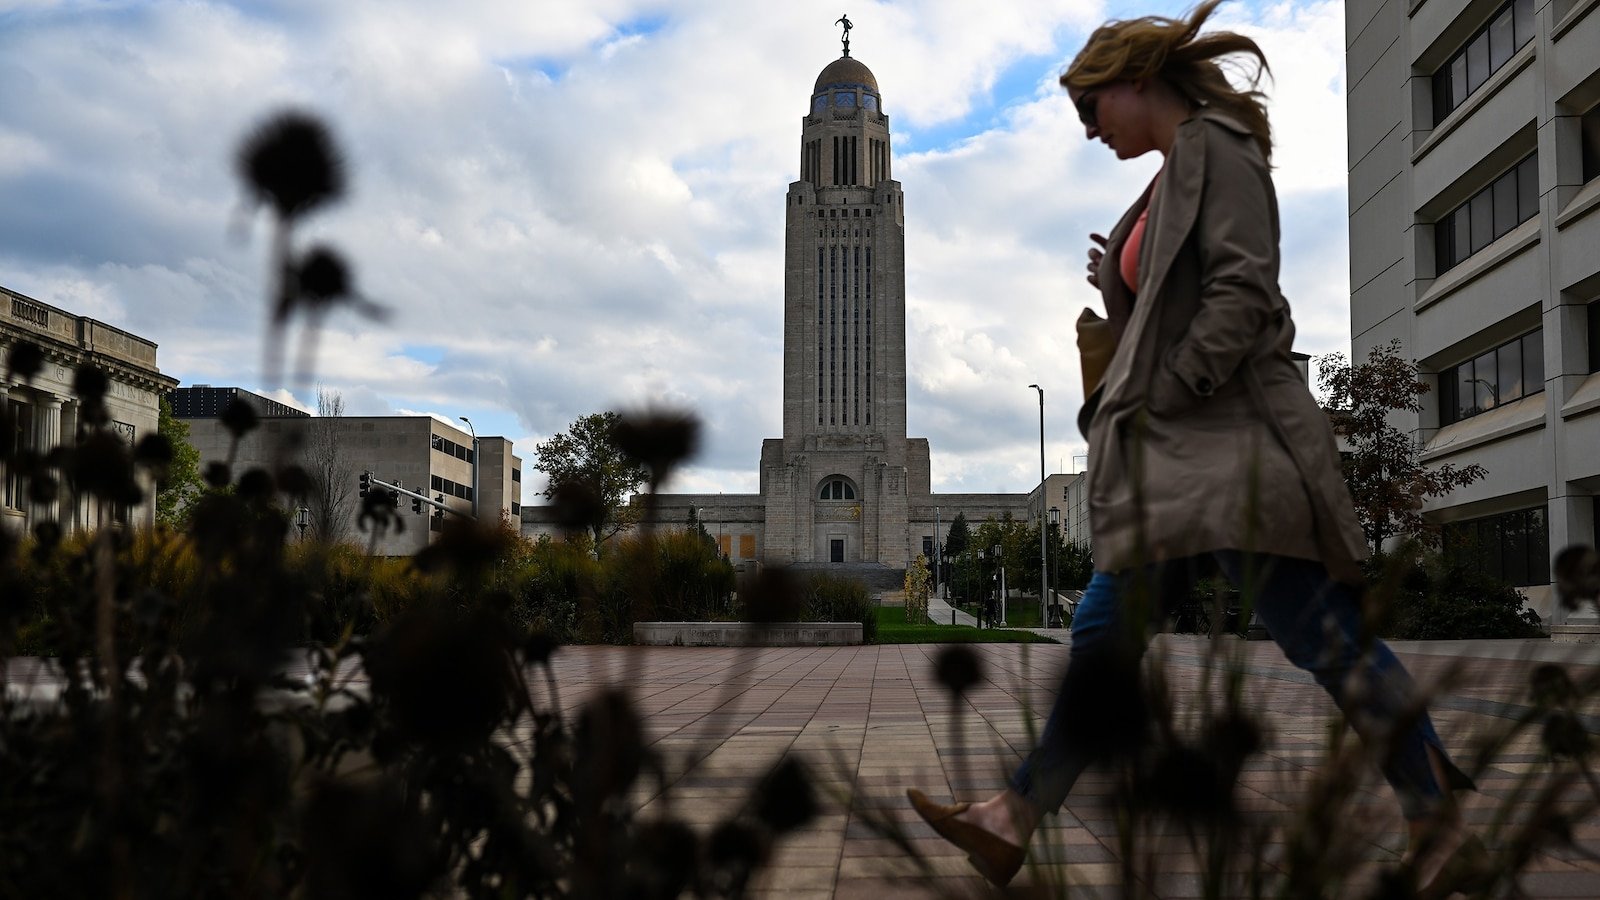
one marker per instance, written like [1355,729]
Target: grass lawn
[893,629]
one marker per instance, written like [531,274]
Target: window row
[1481,57]
[1510,200]
[1513,547]
[1509,372]
[446,486]
[451,448]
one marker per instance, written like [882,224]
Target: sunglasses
[1088,106]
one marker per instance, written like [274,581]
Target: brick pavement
[873,721]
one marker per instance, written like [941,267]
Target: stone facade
[45,411]
[844,484]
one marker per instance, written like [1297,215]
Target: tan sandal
[997,859]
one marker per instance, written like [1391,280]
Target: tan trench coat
[1205,436]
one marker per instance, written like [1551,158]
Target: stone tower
[835,485]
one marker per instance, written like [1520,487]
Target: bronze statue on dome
[845,21]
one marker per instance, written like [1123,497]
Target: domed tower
[836,483]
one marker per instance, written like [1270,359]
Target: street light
[1044,588]
[474,465]
[302,519]
[1000,560]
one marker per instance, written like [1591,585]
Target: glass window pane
[1482,220]
[1483,381]
[1589,140]
[1505,203]
[1443,253]
[1441,95]
[1538,547]
[1489,547]
[1465,391]
[1501,42]
[1461,237]
[1458,80]
[1594,347]
[1477,62]
[1509,380]
[1528,189]
[1533,363]
[1522,13]
[1514,548]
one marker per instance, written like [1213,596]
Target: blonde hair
[1175,51]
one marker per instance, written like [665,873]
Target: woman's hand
[1095,255]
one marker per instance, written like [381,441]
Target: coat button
[1203,387]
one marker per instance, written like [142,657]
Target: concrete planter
[746,634]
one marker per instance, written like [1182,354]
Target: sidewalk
[940,613]
[872,721]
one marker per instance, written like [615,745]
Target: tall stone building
[844,485]
[836,484]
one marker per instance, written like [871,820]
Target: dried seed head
[291,164]
[24,361]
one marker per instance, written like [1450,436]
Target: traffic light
[366,484]
[416,503]
[394,498]
[438,511]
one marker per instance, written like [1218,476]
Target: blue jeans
[1315,620]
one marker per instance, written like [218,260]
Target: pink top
[1128,262]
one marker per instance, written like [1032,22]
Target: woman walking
[1207,446]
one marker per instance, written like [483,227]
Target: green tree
[590,474]
[181,484]
[960,536]
[1383,469]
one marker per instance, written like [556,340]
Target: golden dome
[846,71]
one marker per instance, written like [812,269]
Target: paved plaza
[872,720]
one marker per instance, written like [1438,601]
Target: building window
[516,475]
[1513,547]
[516,508]
[837,489]
[1594,338]
[1510,200]
[1589,131]
[1482,56]
[1509,372]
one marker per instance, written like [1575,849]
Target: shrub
[830,598]
[1422,597]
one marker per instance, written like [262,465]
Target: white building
[1474,154]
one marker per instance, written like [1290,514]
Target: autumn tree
[333,478]
[1383,468]
[589,476]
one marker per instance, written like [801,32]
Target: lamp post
[1000,560]
[302,518]
[474,465]
[1044,586]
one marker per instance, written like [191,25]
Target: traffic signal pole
[370,481]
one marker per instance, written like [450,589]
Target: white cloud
[579,205]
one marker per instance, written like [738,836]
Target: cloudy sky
[576,205]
